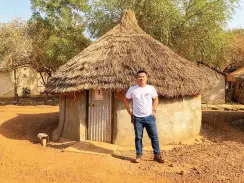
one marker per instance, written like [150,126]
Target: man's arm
[127,105]
[155,105]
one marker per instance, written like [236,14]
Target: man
[145,103]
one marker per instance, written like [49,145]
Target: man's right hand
[126,102]
[132,119]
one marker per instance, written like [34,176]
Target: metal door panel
[99,118]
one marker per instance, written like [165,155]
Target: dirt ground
[218,157]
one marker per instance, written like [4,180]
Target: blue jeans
[150,124]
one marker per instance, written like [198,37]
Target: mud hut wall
[7,87]
[238,93]
[25,78]
[58,131]
[217,94]
[177,120]
[72,117]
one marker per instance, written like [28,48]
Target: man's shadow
[125,158]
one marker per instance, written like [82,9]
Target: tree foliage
[193,28]
[15,44]
[56,29]
[236,48]
[61,13]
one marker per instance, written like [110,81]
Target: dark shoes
[158,158]
[138,159]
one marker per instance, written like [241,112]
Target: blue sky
[21,8]
[14,8]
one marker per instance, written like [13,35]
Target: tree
[15,46]
[236,48]
[61,13]
[193,28]
[203,30]
[56,29]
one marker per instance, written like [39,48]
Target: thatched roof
[237,75]
[113,60]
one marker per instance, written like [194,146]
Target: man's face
[141,79]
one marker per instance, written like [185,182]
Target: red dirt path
[22,159]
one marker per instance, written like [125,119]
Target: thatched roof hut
[108,67]
[215,95]
[236,85]
[112,61]
[24,77]
[236,75]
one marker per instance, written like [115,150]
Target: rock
[197,171]
[181,172]
[171,165]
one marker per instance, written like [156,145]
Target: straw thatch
[237,75]
[112,61]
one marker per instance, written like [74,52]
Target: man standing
[145,103]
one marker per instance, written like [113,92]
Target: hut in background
[236,83]
[216,95]
[6,89]
[26,78]
[92,86]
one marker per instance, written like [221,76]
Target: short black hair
[141,71]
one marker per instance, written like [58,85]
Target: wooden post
[44,142]
[241,88]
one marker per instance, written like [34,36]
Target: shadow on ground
[27,126]
[125,158]
[219,126]
[93,147]
[59,145]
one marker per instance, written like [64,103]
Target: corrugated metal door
[99,116]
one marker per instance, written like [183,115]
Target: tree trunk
[15,88]
[45,84]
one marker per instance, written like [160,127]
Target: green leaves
[15,44]
[56,29]
[193,28]
[61,13]
[236,47]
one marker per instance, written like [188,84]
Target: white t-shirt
[142,99]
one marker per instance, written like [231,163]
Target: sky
[22,8]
